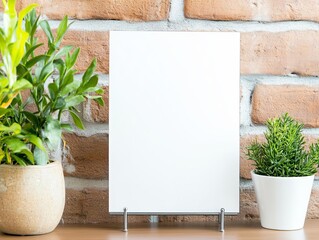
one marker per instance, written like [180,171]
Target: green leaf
[47,110]
[59,103]
[68,78]
[36,141]
[71,59]
[52,48]
[99,91]
[16,145]
[30,51]
[3,111]
[52,133]
[19,160]
[89,71]
[47,30]
[96,90]
[77,121]
[92,96]
[2,41]
[17,48]
[47,70]
[96,98]
[63,51]
[92,82]
[35,60]
[40,91]
[16,101]
[2,155]
[53,90]
[67,127]
[26,10]
[15,128]
[32,19]
[41,157]
[63,27]
[99,100]
[74,101]
[3,82]
[8,157]
[29,155]
[31,117]
[60,65]
[23,72]
[70,88]
[21,84]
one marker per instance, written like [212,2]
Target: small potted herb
[284,174]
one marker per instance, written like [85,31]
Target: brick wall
[279,65]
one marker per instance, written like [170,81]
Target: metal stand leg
[221,220]
[125,215]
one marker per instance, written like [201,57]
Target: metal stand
[125,216]
[221,220]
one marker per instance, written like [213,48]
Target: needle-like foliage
[284,153]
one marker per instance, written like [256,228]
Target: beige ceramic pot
[32,198]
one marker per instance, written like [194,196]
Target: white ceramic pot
[32,198]
[282,201]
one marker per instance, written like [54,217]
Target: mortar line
[81,183]
[190,25]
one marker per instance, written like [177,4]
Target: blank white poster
[174,122]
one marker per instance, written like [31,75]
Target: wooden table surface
[188,231]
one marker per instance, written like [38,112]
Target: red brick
[301,102]
[280,53]
[275,53]
[96,112]
[270,10]
[248,206]
[86,157]
[248,211]
[91,206]
[313,207]
[93,44]
[141,10]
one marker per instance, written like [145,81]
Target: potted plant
[284,174]
[36,90]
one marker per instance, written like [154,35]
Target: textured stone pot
[282,201]
[32,198]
